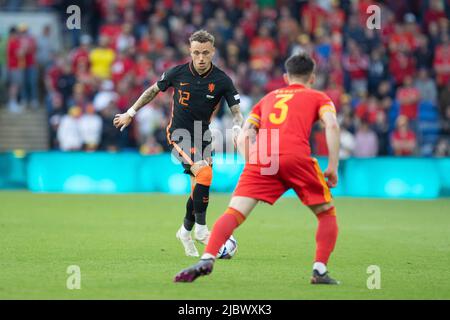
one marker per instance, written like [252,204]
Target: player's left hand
[236,132]
[332,177]
[122,120]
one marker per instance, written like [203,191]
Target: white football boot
[187,242]
[201,233]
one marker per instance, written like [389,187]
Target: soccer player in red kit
[282,122]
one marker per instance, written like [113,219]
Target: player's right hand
[331,176]
[122,120]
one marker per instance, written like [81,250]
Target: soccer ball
[228,249]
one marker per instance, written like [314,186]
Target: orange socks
[223,229]
[327,232]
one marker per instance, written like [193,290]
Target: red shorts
[301,174]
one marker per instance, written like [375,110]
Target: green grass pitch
[126,248]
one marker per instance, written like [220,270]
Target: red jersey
[291,110]
[14,52]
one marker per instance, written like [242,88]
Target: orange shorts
[301,174]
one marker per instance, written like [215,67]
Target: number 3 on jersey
[281,104]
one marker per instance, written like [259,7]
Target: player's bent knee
[320,208]
[204,176]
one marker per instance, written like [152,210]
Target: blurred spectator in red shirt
[16,69]
[81,54]
[401,65]
[313,17]
[276,81]
[320,142]
[335,92]
[29,92]
[441,62]
[263,49]
[403,139]
[408,96]
[434,13]
[111,29]
[356,63]
[288,30]
[123,66]
[367,110]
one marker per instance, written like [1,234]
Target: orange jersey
[292,110]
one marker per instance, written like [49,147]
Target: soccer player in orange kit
[282,122]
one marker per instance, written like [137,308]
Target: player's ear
[312,79]
[286,78]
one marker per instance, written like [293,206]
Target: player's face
[202,54]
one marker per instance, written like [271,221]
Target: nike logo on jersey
[210,97]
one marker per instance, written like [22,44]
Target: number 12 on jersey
[280,104]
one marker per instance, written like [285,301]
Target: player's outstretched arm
[332,133]
[238,119]
[122,120]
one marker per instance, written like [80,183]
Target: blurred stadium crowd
[391,86]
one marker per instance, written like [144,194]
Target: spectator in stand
[319,141]
[441,61]
[408,97]
[110,135]
[401,65]
[3,52]
[403,139]
[79,97]
[423,55]
[366,142]
[91,129]
[276,81]
[444,100]
[347,147]
[126,39]
[442,147]
[69,135]
[435,12]
[81,54]
[263,49]
[65,83]
[16,70]
[46,48]
[381,128]
[101,59]
[105,96]
[426,87]
[356,64]
[367,110]
[377,69]
[56,113]
[29,92]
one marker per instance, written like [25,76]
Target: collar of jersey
[297,85]
[196,74]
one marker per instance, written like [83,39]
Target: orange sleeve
[255,115]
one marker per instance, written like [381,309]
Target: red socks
[223,229]
[326,235]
